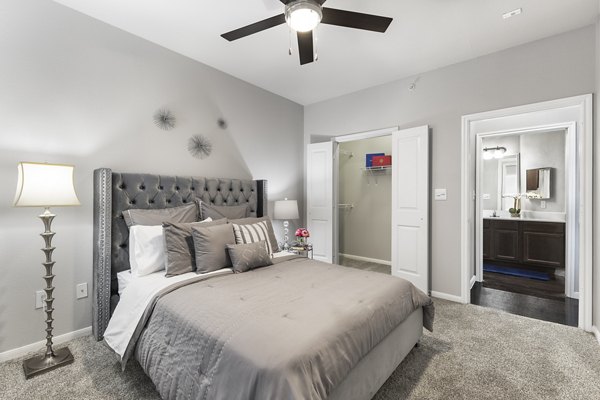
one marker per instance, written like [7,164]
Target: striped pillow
[252,233]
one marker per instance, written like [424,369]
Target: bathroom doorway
[522,265]
[572,115]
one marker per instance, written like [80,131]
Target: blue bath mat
[523,273]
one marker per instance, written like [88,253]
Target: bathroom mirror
[509,180]
[538,183]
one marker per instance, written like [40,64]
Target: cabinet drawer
[544,227]
[506,225]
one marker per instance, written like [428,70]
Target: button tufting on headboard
[116,192]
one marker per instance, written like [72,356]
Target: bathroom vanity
[532,243]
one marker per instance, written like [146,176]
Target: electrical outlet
[81,290]
[40,296]
[543,204]
[487,196]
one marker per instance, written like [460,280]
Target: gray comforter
[289,331]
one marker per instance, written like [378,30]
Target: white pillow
[146,249]
[124,278]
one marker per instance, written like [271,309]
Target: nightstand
[305,250]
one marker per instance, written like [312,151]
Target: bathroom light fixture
[493,152]
[303,15]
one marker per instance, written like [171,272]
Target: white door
[410,206]
[319,198]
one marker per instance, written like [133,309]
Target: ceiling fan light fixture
[303,15]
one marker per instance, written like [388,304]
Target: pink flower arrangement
[302,234]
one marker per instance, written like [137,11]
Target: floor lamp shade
[45,185]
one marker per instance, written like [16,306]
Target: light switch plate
[82,290]
[40,296]
[486,196]
[440,194]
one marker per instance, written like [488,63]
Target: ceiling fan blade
[351,19]
[305,47]
[254,28]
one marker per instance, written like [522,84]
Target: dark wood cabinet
[527,243]
[505,241]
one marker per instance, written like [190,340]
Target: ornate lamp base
[38,365]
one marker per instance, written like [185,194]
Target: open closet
[365,204]
[371,214]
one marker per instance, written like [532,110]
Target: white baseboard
[446,296]
[596,333]
[367,259]
[37,346]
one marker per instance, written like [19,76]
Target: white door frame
[574,114]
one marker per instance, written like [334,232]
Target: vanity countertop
[522,218]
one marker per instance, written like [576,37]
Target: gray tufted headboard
[116,192]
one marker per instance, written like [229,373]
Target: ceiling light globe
[303,15]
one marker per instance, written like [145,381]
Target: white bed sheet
[133,303]
[136,296]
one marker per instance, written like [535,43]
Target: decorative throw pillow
[229,212]
[187,213]
[252,233]
[146,249]
[271,234]
[209,246]
[179,245]
[245,257]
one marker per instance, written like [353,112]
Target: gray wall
[489,184]
[545,150]
[552,68]
[75,90]
[372,199]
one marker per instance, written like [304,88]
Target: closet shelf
[375,172]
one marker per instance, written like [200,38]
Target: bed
[290,330]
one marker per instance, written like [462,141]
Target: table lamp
[46,185]
[286,209]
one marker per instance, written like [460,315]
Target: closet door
[410,206]
[319,198]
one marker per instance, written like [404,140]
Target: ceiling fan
[303,16]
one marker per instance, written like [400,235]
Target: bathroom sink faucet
[494,214]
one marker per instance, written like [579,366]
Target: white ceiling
[425,35]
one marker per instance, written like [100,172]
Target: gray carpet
[365,265]
[474,353]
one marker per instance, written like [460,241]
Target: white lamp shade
[286,209]
[45,185]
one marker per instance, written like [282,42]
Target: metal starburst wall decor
[164,119]
[199,146]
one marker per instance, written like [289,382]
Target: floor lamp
[46,185]
[286,209]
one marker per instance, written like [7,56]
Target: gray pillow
[245,257]
[271,233]
[209,246]
[179,246]
[229,212]
[187,213]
